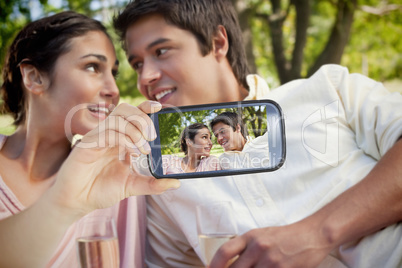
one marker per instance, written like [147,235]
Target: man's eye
[161,51]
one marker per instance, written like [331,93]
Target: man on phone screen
[240,151]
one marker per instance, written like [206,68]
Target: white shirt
[338,125]
[255,154]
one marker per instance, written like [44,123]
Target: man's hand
[295,245]
[97,173]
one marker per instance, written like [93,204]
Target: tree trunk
[301,23]
[275,21]
[289,70]
[339,37]
[244,15]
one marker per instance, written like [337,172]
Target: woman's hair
[40,43]
[200,17]
[189,133]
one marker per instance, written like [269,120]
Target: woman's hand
[97,173]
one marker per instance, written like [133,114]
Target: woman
[196,144]
[59,80]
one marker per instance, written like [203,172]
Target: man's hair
[200,17]
[231,119]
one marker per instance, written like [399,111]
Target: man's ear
[220,43]
[238,128]
[32,79]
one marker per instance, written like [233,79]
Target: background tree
[293,38]
[16,13]
[284,39]
[256,120]
[11,23]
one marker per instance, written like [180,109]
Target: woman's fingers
[133,122]
[150,107]
[138,117]
[147,185]
[101,162]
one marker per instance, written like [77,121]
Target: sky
[36,10]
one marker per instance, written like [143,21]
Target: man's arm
[374,117]
[370,205]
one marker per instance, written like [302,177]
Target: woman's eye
[137,65]
[92,67]
[115,74]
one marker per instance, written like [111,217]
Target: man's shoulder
[211,158]
[327,77]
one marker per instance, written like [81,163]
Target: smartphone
[218,139]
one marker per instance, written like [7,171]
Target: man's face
[171,68]
[229,139]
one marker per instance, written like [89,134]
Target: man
[231,133]
[342,181]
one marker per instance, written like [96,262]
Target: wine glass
[97,243]
[216,225]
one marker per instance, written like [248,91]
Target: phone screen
[218,139]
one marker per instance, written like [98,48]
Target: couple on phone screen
[231,133]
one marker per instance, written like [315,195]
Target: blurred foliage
[6,125]
[16,13]
[374,46]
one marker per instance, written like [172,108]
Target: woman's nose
[110,89]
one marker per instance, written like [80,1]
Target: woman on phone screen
[59,80]
[195,142]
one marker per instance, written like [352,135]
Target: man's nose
[150,73]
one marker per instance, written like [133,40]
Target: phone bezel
[279,151]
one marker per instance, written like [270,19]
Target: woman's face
[83,89]
[201,145]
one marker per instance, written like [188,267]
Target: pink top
[171,164]
[129,215]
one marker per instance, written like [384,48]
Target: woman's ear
[189,142]
[32,79]
[220,43]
